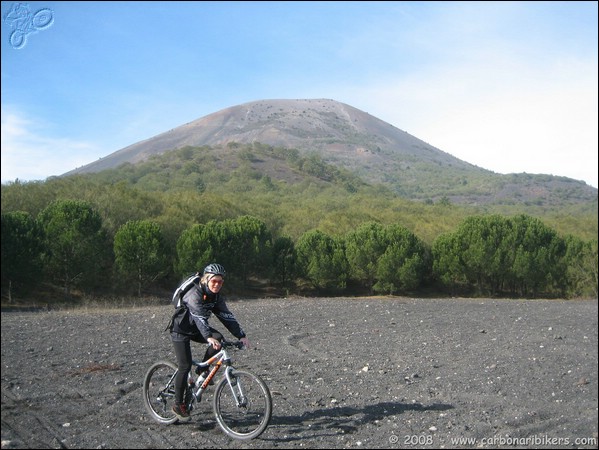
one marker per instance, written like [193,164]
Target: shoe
[181,413]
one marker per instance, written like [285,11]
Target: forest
[313,229]
[67,245]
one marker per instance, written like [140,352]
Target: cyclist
[191,324]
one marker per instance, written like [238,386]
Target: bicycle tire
[159,392]
[251,419]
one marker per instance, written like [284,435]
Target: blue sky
[508,86]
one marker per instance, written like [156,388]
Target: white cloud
[518,119]
[27,155]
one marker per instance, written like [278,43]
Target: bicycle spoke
[159,392]
[242,402]
[243,411]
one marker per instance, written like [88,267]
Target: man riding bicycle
[190,323]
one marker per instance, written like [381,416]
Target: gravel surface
[343,373]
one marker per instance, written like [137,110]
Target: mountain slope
[324,125]
[349,138]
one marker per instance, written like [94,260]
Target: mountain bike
[242,402]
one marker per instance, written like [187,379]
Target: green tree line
[68,244]
[262,211]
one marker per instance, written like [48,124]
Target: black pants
[182,345]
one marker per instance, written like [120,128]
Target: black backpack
[177,300]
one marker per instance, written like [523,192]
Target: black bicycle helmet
[215,269]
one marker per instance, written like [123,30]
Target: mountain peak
[356,141]
[341,133]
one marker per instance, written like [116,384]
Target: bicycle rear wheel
[244,408]
[159,391]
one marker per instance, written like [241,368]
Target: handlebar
[229,344]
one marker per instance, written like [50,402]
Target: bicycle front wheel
[243,408]
[159,391]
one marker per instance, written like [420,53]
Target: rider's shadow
[328,421]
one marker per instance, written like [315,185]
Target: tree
[140,253]
[404,264]
[482,245]
[447,264]
[538,263]
[194,249]
[21,251]
[498,254]
[363,249]
[581,261]
[321,260]
[246,246]
[283,260]
[242,245]
[76,250]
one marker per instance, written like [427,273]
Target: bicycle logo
[25,22]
